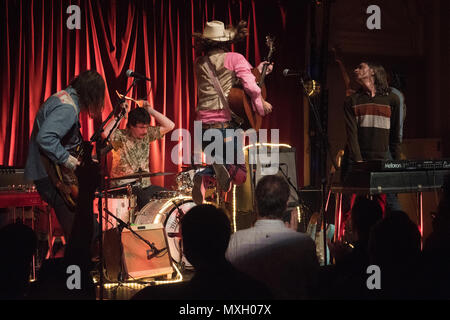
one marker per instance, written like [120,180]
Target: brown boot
[222,177]
[197,194]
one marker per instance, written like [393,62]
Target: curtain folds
[40,55]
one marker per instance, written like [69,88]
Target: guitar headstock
[270,40]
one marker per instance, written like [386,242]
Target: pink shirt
[239,65]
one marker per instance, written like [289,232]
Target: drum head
[165,212]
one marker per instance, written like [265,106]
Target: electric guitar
[64,179]
[241,104]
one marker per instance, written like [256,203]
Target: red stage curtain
[39,56]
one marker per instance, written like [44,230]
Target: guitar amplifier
[283,165]
[13,179]
[257,167]
[128,253]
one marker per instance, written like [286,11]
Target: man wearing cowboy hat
[217,71]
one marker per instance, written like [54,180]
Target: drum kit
[165,207]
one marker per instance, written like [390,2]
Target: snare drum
[164,211]
[122,206]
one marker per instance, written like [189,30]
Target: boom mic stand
[299,198]
[180,242]
[121,225]
[101,154]
[324,185]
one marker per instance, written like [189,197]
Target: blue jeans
[229,142]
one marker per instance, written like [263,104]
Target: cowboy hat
[215,31]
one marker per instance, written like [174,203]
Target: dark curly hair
[138,115]
[380,78]
[272,194]
[90,88]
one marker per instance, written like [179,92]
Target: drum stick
[140,103]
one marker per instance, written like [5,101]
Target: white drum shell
[120,206]
[165,212]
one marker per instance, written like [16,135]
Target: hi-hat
[141,174]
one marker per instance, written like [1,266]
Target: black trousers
[50,194]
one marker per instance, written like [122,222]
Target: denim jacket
[56,130]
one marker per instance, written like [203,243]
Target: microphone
[153,253]
[131,74]
[292,73]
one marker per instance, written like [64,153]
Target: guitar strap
[215,81]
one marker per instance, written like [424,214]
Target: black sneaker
[222,177]
[197,194]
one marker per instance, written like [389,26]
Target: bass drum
[165,212]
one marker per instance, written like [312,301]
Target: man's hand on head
[145,104]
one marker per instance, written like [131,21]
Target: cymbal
[143,174]
[193,167]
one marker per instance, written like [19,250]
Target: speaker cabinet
[282,165]
[261,162]
[133,257]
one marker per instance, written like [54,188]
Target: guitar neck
[263,75]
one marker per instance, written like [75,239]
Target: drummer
[131,148]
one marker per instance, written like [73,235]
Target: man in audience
[394,246]
[206,232]
[282,258]
[346,279]
[436,249]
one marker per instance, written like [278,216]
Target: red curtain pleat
[40,55]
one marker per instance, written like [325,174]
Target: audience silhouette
[206,232]
[436,250]
[394,246]
[346,279]
[17,246]
[282,258]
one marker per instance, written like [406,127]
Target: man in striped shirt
[372,117]
[373,125]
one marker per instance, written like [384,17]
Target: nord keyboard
[402,165]
[373,182]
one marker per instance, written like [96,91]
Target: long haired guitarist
[217,71]
[56,139]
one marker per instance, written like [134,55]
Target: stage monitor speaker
[286,163]
[129,254]
[137,255]
[243,197]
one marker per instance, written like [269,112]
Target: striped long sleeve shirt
[373,126]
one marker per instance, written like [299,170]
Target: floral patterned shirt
[131,154]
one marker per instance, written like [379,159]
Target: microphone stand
[288,179]
[180,243]
[324,185]
[100,144]
[123,224]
